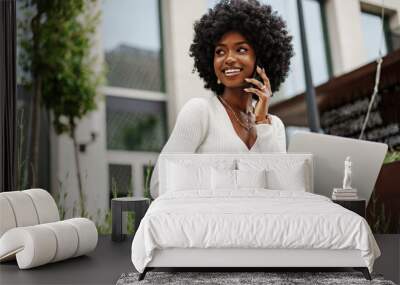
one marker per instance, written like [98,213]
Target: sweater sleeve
[187,135]
[272,137]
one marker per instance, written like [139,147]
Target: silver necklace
[248,127]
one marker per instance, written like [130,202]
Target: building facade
[145,47]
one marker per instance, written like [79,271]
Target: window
[136,128]
[120,182]
[316,41]
[372,34]
[135,104]
[132,44]
[135,124]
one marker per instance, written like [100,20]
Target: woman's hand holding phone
[263,92]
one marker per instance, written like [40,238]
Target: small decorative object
[346,192]
[347,173]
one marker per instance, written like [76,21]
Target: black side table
[358,206]
[119,205]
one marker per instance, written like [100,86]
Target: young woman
[242,51]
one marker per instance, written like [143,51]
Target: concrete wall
[345,35]
[345,31]
[93,161]
[181,84]
[392,8]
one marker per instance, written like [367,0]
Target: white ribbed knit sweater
[203,126]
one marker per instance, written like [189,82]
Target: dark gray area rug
[273,278]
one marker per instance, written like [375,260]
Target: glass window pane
[315,41]
[372,33]
[120,180]
[131,42]
[134,124]
[295,82]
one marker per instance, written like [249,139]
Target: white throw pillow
[293,178]
[283,173]
[251,179]
[223,179]
[179,172]
[227,179]
[181,177]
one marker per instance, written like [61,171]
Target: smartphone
[257,77]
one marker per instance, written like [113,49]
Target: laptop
[329,153]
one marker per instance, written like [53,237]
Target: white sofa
[31,231]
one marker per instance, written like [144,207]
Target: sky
[132,22]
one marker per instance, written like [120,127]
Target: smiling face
[234,60]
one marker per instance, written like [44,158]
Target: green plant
[392,156]
[105,227]
[130,216]
[57,56]
[148,173]
[60,198]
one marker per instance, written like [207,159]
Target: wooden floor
[111,259]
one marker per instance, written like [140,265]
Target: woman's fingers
[265,78]
[261,94]
[255,82]
[264,87]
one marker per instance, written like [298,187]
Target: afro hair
[262,27]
